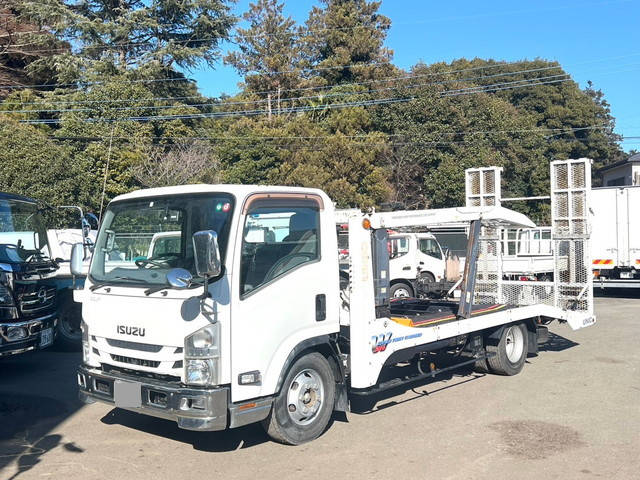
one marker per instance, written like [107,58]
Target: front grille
[38,299]
[135,361]
[142,347]
[135,375]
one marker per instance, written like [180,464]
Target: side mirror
[77,258]
[179,278]
[206,253]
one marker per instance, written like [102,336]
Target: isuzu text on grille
[122,329]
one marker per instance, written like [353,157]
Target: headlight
[200,372]
[85,341]
[202,353]
[5,297]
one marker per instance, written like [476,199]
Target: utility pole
[106,174]
[278,99]
[269,106]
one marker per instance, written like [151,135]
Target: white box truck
[615,245]
[235,328]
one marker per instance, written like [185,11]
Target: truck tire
[428,277]
[69,335]
[303,408]
[510,352]
[400,290]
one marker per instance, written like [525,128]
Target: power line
[321,87]
[361,64]
[288,99]
[301,109]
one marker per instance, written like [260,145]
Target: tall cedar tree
[149,37]
[268,55]
[22,43]
[344,42]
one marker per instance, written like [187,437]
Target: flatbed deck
[414,312]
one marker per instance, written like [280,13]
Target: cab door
[285,284]
[430,257]
[402,258]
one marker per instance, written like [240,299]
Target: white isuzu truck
[234,328]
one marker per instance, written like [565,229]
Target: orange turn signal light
[366,224]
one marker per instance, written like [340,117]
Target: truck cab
[411,256]
[27,270]
[269,242]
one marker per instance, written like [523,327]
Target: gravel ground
[574,412]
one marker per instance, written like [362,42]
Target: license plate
[626,275]
[46,337]
[127,394]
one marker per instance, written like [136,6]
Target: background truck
[238,328]
[415,259]
[615,246]
[28,290]
[413,256]
[61,242]
[528,253]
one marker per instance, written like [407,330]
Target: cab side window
[430,247]
[277,239]
[398,246]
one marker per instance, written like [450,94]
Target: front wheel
[400,290]
[302,409]
[511,351]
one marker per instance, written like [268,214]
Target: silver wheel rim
[305,397]
[514,344]
[401,292]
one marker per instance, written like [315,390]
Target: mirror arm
[205,294]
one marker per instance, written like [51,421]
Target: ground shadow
[556,343]
[222,441]
[38,391]
[369,404]
[633,293]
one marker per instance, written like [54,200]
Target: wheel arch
[326,346]
[492,335]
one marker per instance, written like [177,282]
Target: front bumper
[202,409]
[34,335]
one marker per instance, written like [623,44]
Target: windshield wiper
[113,281]
[160,288]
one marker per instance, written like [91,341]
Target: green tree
[143,37]
[343,41]
[37,166]
[268,56]
[21,44]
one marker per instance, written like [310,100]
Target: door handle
[408,267]
[421,263]
[321,307]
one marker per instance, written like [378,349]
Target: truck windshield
[141,240]
[23,236]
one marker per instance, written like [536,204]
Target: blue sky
[593,40]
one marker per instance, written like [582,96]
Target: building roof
[632,159]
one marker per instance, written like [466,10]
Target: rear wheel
[510,352]
[302,409]
[400,290]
